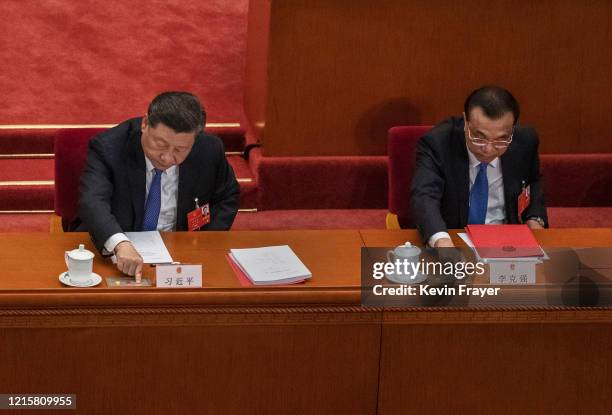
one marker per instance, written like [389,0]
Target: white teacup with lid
[411,254]
[80,264]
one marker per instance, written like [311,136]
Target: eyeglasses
[482,142]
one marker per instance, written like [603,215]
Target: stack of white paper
[270,265]
[150,246]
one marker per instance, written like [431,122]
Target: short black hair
[495,101]
[180,111]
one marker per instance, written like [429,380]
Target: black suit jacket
[113,184]
[440,187]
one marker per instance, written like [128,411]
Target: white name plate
[178,276]
[512,273]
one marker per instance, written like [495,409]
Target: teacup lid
[81,253]
[408,249]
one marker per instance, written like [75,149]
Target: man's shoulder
[442,133]
[207,152]
[121,131]
[526,133]
[208,144]
[114,143]
[525,140]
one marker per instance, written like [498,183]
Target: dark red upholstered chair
[577,180]
[70,155]
[401,148]
[577,189]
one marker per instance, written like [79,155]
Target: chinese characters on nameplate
[512,272]
[179,276]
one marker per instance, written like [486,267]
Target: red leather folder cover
[504,241]
[242,279]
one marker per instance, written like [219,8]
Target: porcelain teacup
[407,257]
[80,264]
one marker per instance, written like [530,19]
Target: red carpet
[26,141]
[102,62]
[26,169]
[312,219]
[30,222]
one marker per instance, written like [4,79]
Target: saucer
[420,277]
[93,280]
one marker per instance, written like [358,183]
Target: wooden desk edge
[193,297]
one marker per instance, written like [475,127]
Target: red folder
[242,279]
[504,241]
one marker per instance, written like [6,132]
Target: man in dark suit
[146,173]
[472,169]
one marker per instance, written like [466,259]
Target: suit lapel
[462,173]
[185,199]
[508,160]
[137,178]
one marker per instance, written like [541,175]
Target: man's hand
[129,260]
[447,253]
[444,243]
[533,224]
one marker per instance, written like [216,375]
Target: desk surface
[228,347]
[572,237]
[32,262]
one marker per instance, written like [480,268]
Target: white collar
[150,166]
[474,162]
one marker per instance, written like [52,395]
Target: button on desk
[305,348]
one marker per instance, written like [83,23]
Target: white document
[150,246]
[270,265]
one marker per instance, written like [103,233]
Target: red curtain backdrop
[83,61]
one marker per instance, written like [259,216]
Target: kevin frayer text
[426,290]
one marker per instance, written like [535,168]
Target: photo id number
[37,401]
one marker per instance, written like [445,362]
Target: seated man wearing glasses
[472,170]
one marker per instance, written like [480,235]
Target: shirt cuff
[113,241]
[436,236]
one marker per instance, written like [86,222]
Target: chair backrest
[577,180]
[401,148]
[70,146]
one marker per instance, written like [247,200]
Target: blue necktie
[153,204]
[479,197]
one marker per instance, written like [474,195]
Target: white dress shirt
[169,196]
[496,205]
